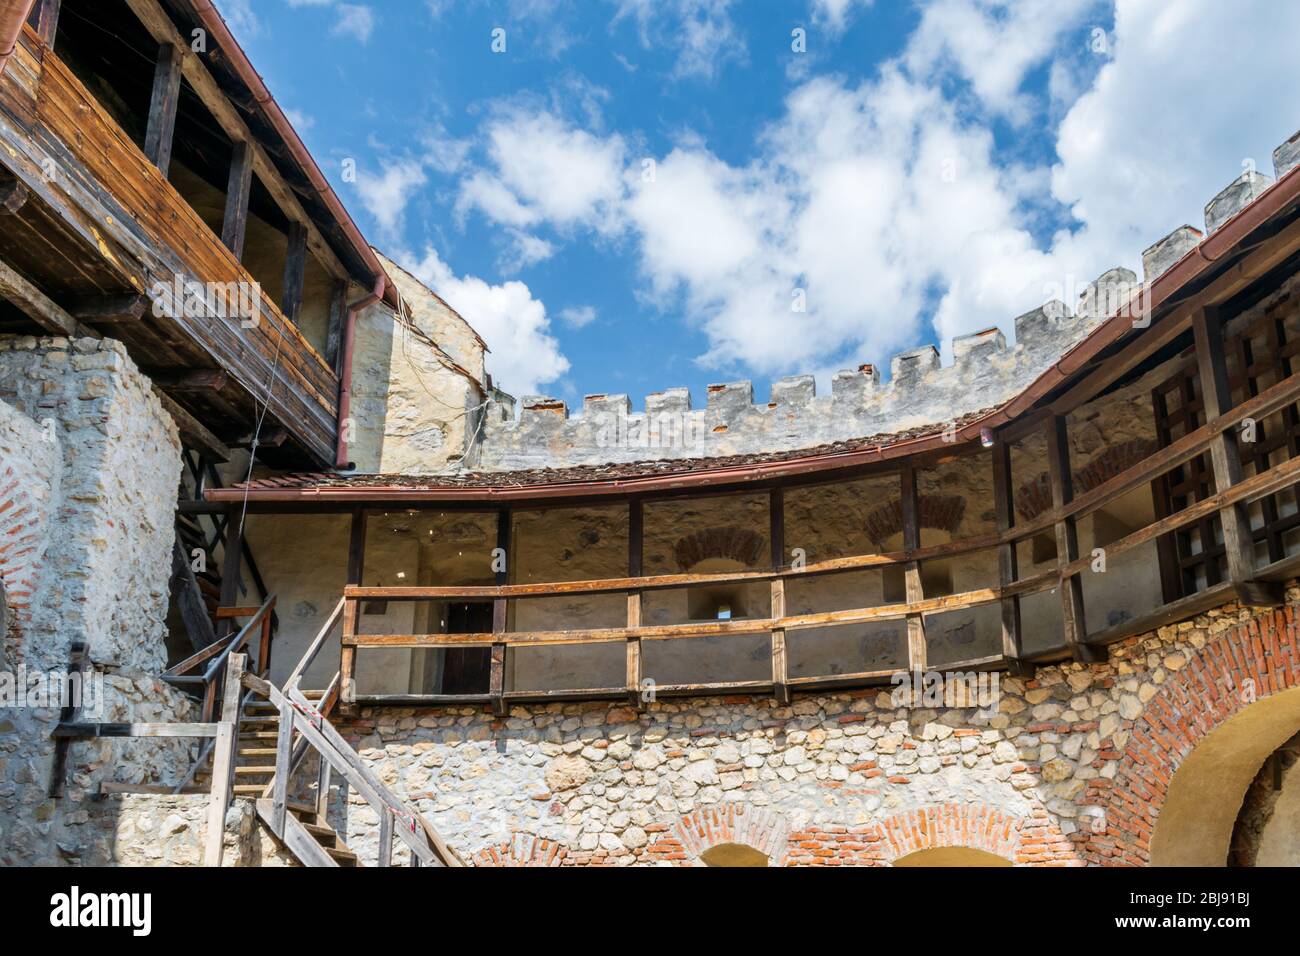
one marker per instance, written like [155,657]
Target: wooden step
[260,720]
[259,735]
[345,856]
[253,771]
[249,790]
[256,751]
[324,835]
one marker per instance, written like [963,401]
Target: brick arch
[940,512]
[523,849]
[1034,497]
[975,826]
[737,544]
[1251,668]
[686,841]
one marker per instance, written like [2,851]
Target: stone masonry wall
[98,569]
[1070,769]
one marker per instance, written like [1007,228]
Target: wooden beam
[193,432]
[1008,571]
[189,600]
[1067,542]
[351,608]
[234,226]
[110,308]
[209,91]
[635,545]
[1225,455]
[337,322]
[161,131]
[776,540]
[38,306]
[915,591]
[44,19]
[232,584]
[500,619]
[190,380]
[295,266]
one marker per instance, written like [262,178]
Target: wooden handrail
[291,682]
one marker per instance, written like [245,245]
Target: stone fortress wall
[537,431]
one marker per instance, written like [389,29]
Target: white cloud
[702,31]
[524,356]
[992,44]
[577,317]
[834,14]
[525,250]
[241,19]
[545,169]
[387,193]
[355,20]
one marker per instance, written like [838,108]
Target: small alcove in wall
[733,854]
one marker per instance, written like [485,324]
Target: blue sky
[639,194]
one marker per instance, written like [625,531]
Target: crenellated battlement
[539,432]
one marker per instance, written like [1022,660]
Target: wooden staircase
[260,754]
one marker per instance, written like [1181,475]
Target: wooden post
[635,538]
[264,645]
[1004,506]
[351,610]
[223,760]
[161,131]
[238,189]
[323,790]
[1067,542]
[1225,455]
[337,321]
[295,268]
[776,540]
[385,836]
[231,568]
[283,768]
[915,591]
[44,19]
[500,618]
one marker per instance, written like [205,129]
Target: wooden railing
[1250,585]
[206,668]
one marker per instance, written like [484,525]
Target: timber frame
[99,236]
[1187,318]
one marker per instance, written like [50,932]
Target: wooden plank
[1067,539]
[79,731]
[1004,508]
[161,130]
[1225,455]
[234,224]
[915,591]
[38,306]
[295,266]
[223,760]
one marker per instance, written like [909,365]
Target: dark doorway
[466,670]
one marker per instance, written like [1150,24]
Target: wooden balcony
[99,231]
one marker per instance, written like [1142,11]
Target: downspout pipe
[345,376]
[12,18]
